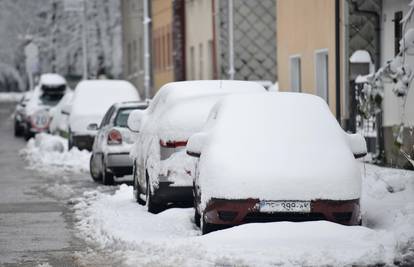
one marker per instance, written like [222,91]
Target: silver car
[112,144]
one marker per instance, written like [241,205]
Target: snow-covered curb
[170,238]
[49,153]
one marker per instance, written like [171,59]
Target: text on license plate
[284,206]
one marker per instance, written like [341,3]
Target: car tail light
[114,137]
[172,144]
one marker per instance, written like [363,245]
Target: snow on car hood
[279,146]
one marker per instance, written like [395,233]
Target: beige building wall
[304,27]
[199,39]
[162,15]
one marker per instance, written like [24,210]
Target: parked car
[285,157]
[20,114]
[91,100]
[35,117]
[59,122]
[177,111]
[113,142]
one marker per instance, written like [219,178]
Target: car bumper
[120,164]
[235,212]
[166,193]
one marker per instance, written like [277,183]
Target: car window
[107,117]
[121,119]
[50,99]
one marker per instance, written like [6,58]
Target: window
[210,60]
[129,59]
[169,46]
[295,74]
[201,61]
[192,63]
[140,53]
[321,74]
[134,56]
[397,31]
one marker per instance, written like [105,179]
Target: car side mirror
[195,144]
[92,127]
[135,120]
[358,145]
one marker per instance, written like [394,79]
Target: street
[35,227]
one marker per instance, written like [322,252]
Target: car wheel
[95,174]
[137,189]
[17,129]
[28,134]
[197,218]
[207,227]
[107,177]
[153,207]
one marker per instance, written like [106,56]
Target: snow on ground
[170,238]
[11,97]
[49,153]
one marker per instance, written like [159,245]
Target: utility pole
[84,42]
[146,23]
[231,41]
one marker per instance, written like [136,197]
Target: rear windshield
[51,99]
[121,119]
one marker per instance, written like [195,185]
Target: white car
[59,121]
[47,94]
[113,142]
[91,100]
[178,110]
[275,157]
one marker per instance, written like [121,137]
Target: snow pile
[93,98]
[10,97]
[253,142]
[47,152]
[117,223]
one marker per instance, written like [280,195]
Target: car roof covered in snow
[278,146]
[175,91]
[52,79]
[181,108]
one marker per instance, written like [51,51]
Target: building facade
[310,50]
[132,43]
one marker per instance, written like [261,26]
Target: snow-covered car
[91,100]
[285,157]
[20,114]
[59,121]
[177,111]
[47,94]
[113,142]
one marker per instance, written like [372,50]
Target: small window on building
[295,74]
[397,31]
[321,74]
[210,59]
[129,58]
[201,61]
[192,63]
[140,53]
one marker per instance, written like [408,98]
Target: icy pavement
[115,223]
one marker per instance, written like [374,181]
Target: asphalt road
[37,229]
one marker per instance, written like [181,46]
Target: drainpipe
[338,60]
[146,23]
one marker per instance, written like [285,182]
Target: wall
[162,14]
[303,27]
[132,43]
[199,39]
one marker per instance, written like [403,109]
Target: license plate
[268,206]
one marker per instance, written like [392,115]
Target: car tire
[107,177]
[197,218]
[153,207]
[137,189]
[95,174]
[207,227]
[27,134]
[17,129]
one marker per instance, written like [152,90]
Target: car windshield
[122,117]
